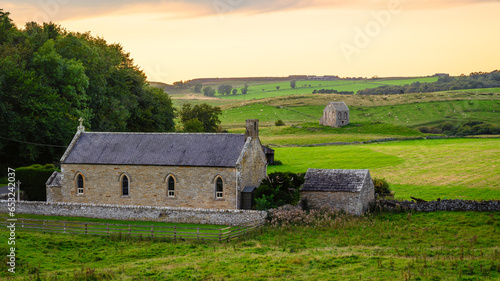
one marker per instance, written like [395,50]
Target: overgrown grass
[413,246]
[451,168]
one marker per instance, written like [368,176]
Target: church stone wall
[194,186]
[252,168]
[54,194]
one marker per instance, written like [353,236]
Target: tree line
[447,83]
[50,77]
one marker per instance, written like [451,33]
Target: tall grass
[416,246]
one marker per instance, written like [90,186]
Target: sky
[172,40]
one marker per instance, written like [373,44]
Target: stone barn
[347,190]
[199,170]
[335,114]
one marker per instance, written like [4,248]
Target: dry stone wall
[442,205]
[141,213]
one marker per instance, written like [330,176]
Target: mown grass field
[428,169]
[418,246]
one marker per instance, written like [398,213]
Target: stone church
[197,170]
[335,114]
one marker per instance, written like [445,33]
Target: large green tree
[200,118]
[49,77]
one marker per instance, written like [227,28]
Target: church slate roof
[160,149]
[335,180]
[339,105]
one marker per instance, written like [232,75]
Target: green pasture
[407,246]
[429,169]
[414,114]
[267,90]
[418,114]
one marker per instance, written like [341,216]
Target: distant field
[452,168]
[396,119]
[260,91]
[420,114]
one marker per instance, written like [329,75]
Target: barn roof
[339,105]
[161,149]
[335,180]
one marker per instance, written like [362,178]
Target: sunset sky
[185,39]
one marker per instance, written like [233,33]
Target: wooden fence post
[220,234]
[64,227]
[43,225]
[198,233]
[107,228]
[129,232]
[85,228]
[175,232]
[152,235]
[22,223]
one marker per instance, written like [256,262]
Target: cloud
[59,10]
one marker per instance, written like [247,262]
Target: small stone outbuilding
[347,190]
[335,114]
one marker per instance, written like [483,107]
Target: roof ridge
[161,133]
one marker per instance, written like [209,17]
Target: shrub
[424,129]
[276,163]
[33,180]
[381,187]
[278,189]
[279,123]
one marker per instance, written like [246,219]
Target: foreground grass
[429,246]
[428,169]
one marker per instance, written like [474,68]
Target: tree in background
[293,84]
[235,91]
[225,89]
[179,84]
[192,116]
[277,88]
[244,90]
[50,77]
[209,92]
[197,87]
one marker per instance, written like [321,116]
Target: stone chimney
[252,128]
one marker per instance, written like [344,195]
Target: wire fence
[134,230]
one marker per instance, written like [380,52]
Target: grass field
[428,169]
[406,110]
[267,90]
[418,246]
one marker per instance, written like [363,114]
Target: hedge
[33,179]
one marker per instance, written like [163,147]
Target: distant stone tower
[335,114]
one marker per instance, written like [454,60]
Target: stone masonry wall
[142,213]
[366,196]
[252,168]
[54,194]
[194,186]
[346,201]
[442,205]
